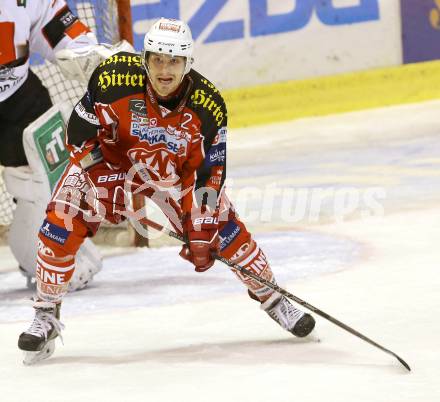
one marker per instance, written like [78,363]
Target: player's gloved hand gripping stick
[203,242]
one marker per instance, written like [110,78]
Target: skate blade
[31,358]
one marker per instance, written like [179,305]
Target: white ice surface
[150,329]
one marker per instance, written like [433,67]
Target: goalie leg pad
[88,262]
[25,187]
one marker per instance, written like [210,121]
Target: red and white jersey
[34,26]
[177,146]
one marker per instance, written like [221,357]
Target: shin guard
[238,246]
[56,257]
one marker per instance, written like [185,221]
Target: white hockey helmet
[172,37]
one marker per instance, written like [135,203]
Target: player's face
[165,72]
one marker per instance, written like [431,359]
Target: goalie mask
[170,37]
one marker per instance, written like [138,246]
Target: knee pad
[233,238]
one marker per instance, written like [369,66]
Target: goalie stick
[281,291]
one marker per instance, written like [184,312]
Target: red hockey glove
[107,182]
[203,243]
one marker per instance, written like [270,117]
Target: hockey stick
[281,291]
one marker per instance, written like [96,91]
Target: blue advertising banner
[420,30]
[256,16]
[252,18]
[247,42]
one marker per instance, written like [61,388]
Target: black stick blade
[403,362]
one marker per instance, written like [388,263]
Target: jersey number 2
[188,117]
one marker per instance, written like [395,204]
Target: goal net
[110,21]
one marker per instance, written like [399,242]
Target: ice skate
[38,342]
[288,317]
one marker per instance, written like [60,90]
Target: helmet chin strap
[188,63]
[145,64]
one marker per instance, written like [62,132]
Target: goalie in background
[46,27]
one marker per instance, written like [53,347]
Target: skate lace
[286,314]
[43,322]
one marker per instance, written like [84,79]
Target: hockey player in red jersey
[154,124]
[45,27]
